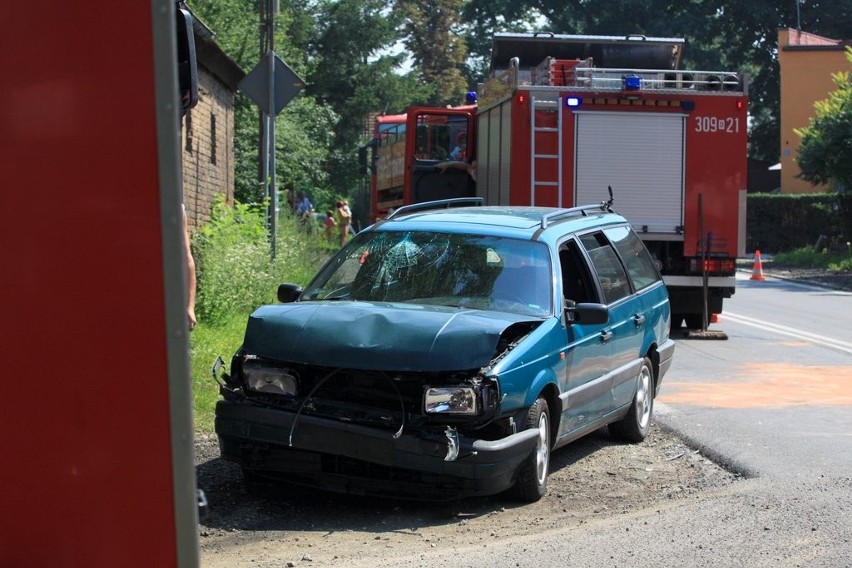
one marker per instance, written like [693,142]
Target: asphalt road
[776,398]
[774,402]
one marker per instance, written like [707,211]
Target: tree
[482,18]
[433,35]
[719,34]
[302,135]
[353,71]
[825,154]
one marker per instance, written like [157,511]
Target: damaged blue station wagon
[447,350]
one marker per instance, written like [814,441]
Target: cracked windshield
[464,271]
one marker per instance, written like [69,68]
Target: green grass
[206,343]
[808,257]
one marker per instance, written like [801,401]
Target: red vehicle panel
[91,287]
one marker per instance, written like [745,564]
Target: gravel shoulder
[833,279]
[591,480]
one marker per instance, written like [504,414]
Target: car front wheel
[532,479]
[637,423]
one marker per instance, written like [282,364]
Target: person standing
[190,274]
[344,220]
[330,224]
[304,207]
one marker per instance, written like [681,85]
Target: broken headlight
[265,378]
[450,400]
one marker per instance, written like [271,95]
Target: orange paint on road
[767,385]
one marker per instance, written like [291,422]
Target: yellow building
[806,62]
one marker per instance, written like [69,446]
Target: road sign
[286,84]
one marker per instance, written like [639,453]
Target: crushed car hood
[371,336]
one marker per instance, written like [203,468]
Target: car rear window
[639,263]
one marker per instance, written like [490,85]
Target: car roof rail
[549,218]
[438,204]
[603,207]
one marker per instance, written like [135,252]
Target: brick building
[208,130]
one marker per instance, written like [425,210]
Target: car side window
[577,282]
[611,274]
[639,263]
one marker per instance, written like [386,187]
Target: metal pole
[705,277]
[273,191]
[261,118]
[798,16]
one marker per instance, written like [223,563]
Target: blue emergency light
[631,82]
[573,102]
[470,97]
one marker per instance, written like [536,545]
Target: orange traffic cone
[757,271]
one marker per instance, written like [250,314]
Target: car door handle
[606,336]
[639,319]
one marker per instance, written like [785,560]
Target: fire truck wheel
[693,321]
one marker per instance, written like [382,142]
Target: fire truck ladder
[548,132]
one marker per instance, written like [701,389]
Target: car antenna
[607,205]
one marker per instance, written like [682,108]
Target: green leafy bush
[786,222]
[807,257]
[234,266]
[232,259]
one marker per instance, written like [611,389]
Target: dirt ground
[593,478]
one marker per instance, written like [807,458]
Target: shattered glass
[457,270]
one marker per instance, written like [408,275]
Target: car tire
[531,484]
[636,424]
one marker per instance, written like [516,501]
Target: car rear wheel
[532,479]
[634,427]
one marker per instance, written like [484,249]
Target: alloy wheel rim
[542,452]
[643,398]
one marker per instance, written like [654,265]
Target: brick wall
[208,148]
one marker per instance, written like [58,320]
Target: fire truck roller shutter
[641,155]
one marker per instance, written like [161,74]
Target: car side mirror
[586,313]
[289,293]
[186,61]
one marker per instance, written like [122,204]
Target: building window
[212,138]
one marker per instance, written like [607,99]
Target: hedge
[783,222]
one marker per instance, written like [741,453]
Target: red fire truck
[563,118]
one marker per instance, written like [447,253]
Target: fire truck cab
[421,156]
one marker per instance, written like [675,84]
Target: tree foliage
[431,31]
[366,57]
[719,34]
[825,154]
[352,71]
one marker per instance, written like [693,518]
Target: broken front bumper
[357,459]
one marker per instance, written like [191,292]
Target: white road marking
[802,335]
